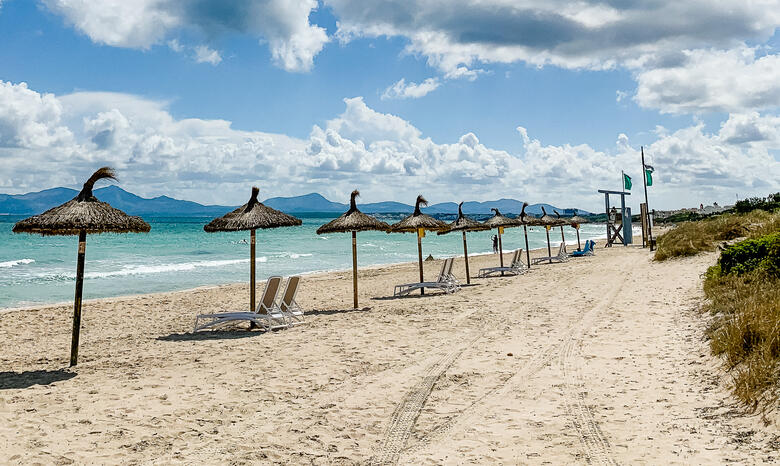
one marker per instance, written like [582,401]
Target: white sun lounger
[516,268]
[446,282]
[268,315]
[561,257]
[288,305]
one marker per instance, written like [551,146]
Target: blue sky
[310,85]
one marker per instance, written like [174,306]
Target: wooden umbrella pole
[563,238]
[252,271]
[74,342]
[354,271]
[419,257]
[549,251]
[579,248]
[500,251]
[466,258]
[527,252]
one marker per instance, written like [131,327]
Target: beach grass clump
[746,332]
[691,238]
[743,292]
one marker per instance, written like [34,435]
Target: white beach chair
[267,316]
[288,305]
[517,267]
[444,282]
[561,257]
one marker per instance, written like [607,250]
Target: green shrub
[769,203]
[751,254]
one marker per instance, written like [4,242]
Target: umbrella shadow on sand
[26,379]
[328,312]
[212,335]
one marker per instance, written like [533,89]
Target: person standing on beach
[495,244]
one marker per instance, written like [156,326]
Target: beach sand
[597,360]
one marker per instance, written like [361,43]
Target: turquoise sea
[177,254]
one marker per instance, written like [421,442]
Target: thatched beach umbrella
[523,219]
[418,222]
[464,224]
[82,215]
[252,216]
[500,222]
[547,221]
[353,220]
[575,222]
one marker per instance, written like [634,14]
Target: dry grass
[690,238]
[746,332]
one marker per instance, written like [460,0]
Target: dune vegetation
[742,291]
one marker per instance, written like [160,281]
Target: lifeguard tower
[617,220]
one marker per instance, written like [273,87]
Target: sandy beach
[597,360]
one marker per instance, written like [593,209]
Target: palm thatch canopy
[418,220]
[463,223]
[252,216]
[353,220]
[498,220]
[83,213]
[576,221]
[549,220]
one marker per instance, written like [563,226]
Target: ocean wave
[9,264]
[146,269]
[294,255]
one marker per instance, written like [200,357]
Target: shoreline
[48,305]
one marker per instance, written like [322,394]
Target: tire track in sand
[540,360]
[408,410]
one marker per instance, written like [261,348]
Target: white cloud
[204,54]
[585,34]
[30,119]
[49,141]
[403,90]
[620,95]
[712,81]
[283,24]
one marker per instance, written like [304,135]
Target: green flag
[626,182]
[649,176]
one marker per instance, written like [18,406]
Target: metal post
[623,215]
[354,271]
[466,258]
[606,206]
[74,341]
[647,206]
[419,257]
[252,271]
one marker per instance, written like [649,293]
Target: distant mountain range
[35,203]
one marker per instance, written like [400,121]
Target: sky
[537,100]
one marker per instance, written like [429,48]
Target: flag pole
[647,205]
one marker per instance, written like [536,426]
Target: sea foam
[9,264]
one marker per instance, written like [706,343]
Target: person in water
[495,244]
